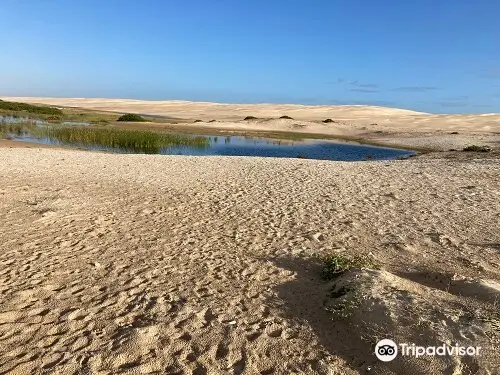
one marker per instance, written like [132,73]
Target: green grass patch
[74,114]
[88,116]
[336,264]
[65,115]
[29,108]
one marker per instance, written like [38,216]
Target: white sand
[137,264]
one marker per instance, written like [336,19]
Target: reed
[95,137]
[126,140]
[17,128]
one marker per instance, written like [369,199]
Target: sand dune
[355,116]
[135,264]
[388,126]
[179,108]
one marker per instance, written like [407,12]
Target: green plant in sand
[132,117]
[476,148]
[336,264]
[343,299]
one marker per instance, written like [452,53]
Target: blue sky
[440,56]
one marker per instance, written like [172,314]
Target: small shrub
[212,120]
[286,117]
[476,148]
[328,120]
[250,118]
[198,121]
[336,265]
[454,133]
[131,117]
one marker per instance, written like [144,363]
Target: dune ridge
[221,110]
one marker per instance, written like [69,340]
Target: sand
[383,125]
[9,143]
[135,264]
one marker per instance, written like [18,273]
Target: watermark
[386,350]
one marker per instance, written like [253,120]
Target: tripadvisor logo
[386,350]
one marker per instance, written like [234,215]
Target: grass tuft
[476,148]
[335,265]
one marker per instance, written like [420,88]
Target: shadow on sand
[302,300]
[351,339]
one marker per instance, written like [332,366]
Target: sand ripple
[137,264]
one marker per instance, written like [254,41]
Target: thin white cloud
[415,88]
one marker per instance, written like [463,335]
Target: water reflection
[76,134]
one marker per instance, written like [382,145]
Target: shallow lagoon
[263,147]
[199,144]
[307,149]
